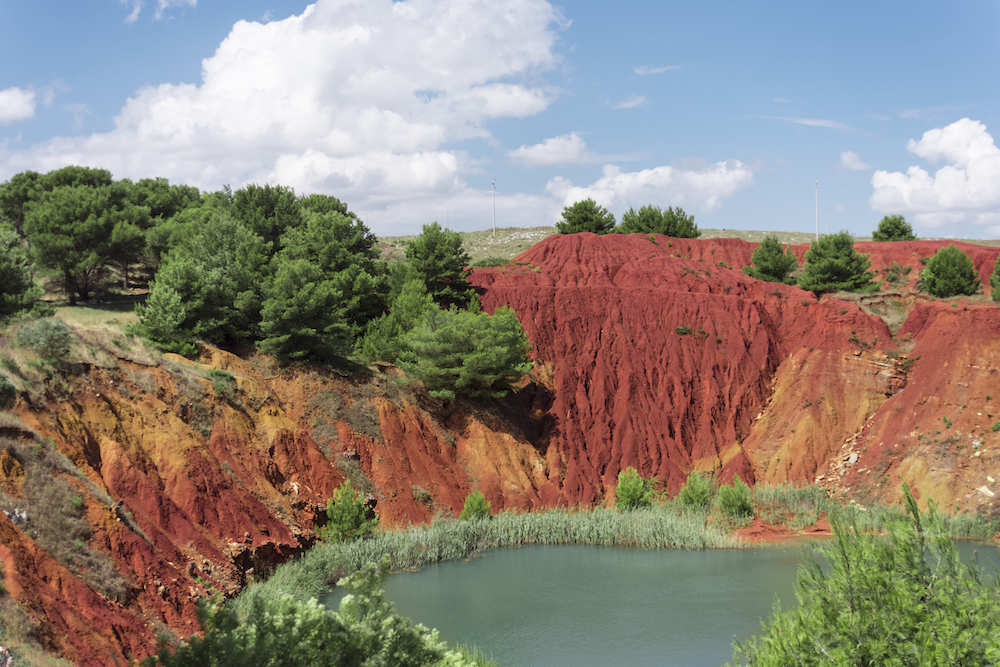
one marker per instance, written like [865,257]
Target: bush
[771,263]
[633,492]
[586,216]
[833,264]
[696,492]
[469,353]
[734,499]
[347,516]
[950,273]
[894,228]
[899,599]
[995,280]
[49,338]
[17,290]
[365,631]
[8,392]
[476,507]
[651,220]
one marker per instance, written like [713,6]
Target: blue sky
[409,110]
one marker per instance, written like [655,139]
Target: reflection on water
[549,606]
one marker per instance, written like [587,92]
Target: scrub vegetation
[897,598]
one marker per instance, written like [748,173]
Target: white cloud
[702,188]
[816,122]
[161,7]
[964,190]
[564,149]
[632,102]
[16,104]
[353,97]
[644,70]
[851,160]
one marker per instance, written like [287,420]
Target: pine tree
[832,264]
[467,353]
[586,216]
[440,260]
[950,273]
[894,228]
[651,220]
[771,263]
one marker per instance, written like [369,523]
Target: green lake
[555,606]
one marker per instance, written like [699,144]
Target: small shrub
[8,392]
[947,422]
[734,499]
[49,338]
[487,262]
[348,518]
[633,492]
[476,507]
[996,426]
[696,492]
[950,272]
[683,331]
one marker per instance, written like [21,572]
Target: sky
[411,111]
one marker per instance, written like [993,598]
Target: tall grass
[667,526]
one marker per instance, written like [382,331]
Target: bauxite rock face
[650,352]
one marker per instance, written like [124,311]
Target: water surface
[555,606]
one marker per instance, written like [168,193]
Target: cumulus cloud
[701,188]
[16,104]
[964,190]
[644,70]
[564,149]
[851,160]
[356,98]
[632,102]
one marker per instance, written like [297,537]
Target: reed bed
[663,527]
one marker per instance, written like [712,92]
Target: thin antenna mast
[817,209]
[494,207]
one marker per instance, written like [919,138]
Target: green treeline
[298,277]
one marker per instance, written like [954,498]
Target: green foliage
[893,228]
[651,220]
[734,499]
[384,337]
[49,338]
[437,257]
[162,320]
[219,275]
[78,230]
[365,632]
[696,492]
[950,273]
[468,353]
[833,264]
[995,280]
[476,507]
[303,317]
[633,492]
[771,263]
[21,189]
[347,516]
[586,216]
[487,262]
[899,599]
[267,210]
[8,392]
[17,291]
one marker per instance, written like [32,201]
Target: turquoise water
[549,606]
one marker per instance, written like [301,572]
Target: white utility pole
[817,209]
[494,207]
